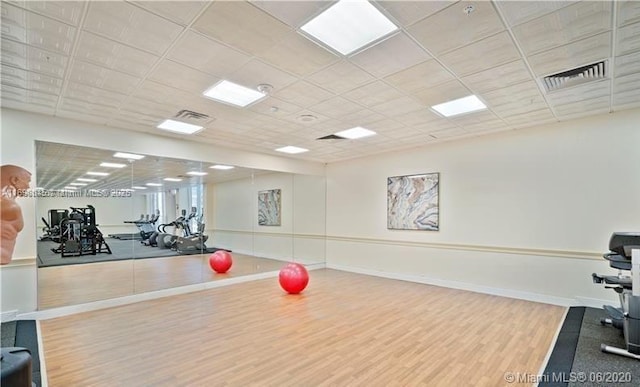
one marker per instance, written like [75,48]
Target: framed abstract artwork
[413,202]
[269,207]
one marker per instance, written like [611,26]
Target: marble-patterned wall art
[412,202]
[269,207]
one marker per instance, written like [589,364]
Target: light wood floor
[76,284]
[345,329]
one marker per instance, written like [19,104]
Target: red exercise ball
[293,278]
[220,261]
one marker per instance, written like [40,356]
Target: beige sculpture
[13,181]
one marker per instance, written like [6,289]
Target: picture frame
[269,207]
[413,202]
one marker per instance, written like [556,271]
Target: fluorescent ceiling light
[195,173]
[86,179]
[138,187]
[131,156]
[154,185]
[229,92]
[170,179]
[349,25]
[97,173]
[69,187]
[292,149]
[113,165]
[80,184]
[460,106]
[222,167]
[357,132]
[179,127]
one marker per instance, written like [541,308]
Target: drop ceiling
[132,65]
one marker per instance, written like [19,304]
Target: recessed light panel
[138,187]
[113,165]
[179,127]
[79,184]
[292,149]
[170,179]
[357,132]
[221,167]
[154,185]
[459,106]
[97,173]
[196,173]
[349,25]
[232,93]
[86,179]
[130,156]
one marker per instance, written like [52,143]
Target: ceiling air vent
[193,117]
[331,137]
[577,76]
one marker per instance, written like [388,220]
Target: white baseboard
[9,316]
[529,296]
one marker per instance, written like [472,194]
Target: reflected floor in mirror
[77,284]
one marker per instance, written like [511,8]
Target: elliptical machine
[624,255]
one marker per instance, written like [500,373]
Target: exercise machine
[80,234]
[624,255]
[52,231]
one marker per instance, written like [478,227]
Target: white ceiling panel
[627,64]
[409,12]
[390,56]
[517,12]
[340,77]
[362,117]
[628,39]
[421,76]
[459,28]
[531,118]
[282,108]
[68,12]
[466,60]
[298,55]
[418,117]
[103,78]
[336,107]
[93,95]
[442,93]
[587,91]
[28,96]
[31,81]
[373,93]
[516,99]
[206,55]
[627,91]
[110,54]
[628,12]
[36,30]
[449,133]
[33,59]
[293,13]
[87,107]
[181,12]
[28,106]
[398,106]
[131,25]
[241,25]
[303,94]
[580,53]
[564,26]
[583,108]
[498,77]
[182,77]
[256,72]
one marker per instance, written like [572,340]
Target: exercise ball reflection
[220,261]
[293,278]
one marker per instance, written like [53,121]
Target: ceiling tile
[241,25]
[298,55]
[626,91]
[87,107]
[131,25]
[580,53]
[28,96]
[256,72]
[628,39]
[303,94]
[35,30]
[564,26]
[421,76]
[181,12]
[107,53]
[460,29]
[627,64]
[293,13]
[29,107]
[398,106]
[583,108]
[390,56]
[336,107]
[417,117]
[518,12]
[340,77]
[93,95]
[362,117]
[587,91]
[283,108]
[449,133]
[531,118]
[472,58]
[409,12]
[206,55]
[373,93]
[33,59]
[101,77]
[182,77]
[628,12]
[65,11]
[442,93]
[498,77]
[516,99]
[31,81]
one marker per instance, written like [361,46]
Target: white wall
[526,211]
[20,130]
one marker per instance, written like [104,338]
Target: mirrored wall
[112,225]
